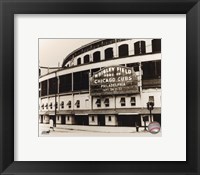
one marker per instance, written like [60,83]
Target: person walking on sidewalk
[137,127]
[51,124]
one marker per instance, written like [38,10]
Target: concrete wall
[128,101]
[69,120]
[112,122]
[58,119]
[103,105]
[66,99]
[85,101]
[52,100]
[114,101]
[46,119]
[93,122]
[151,92]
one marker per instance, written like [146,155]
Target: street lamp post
[55,109]
[150,106]
[57,91]
[145,119]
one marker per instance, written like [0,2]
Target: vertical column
[58,91]
[82,59]
[131,48]
[102,56]
[72,82]
[114,101]
[90,56]
[148,46]
[91,97]
[39,89]
[115,50]
[56,100]
[140,77]
[47,86]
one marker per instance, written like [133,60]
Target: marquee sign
[114,80]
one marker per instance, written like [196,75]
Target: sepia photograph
[99,87]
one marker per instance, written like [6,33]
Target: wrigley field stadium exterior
[109,82]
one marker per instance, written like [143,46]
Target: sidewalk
[103,129]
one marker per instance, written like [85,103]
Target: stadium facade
[109,82]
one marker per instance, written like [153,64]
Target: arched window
[156,45]
[96,56]
[108,53]
[140,47]
[123,50]
[78,61]
[86,59]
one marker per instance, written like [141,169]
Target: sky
[53,51]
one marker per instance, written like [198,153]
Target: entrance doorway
[41,119]
[129,120]
[157,118]
[63,119]
[53,117]
[81,120]
[101,120]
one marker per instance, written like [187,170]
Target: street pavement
[93,131]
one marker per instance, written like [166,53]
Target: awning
[132,100]
[47,113]
[98,101]
[80,114]
[50,104]
[128,114]
[122,100]
[69,103]
[124,111]
[106,101]
[77,102]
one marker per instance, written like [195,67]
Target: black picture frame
[8,8]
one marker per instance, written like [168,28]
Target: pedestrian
[137,126]
[51,124]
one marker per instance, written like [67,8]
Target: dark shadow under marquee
[10,7]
